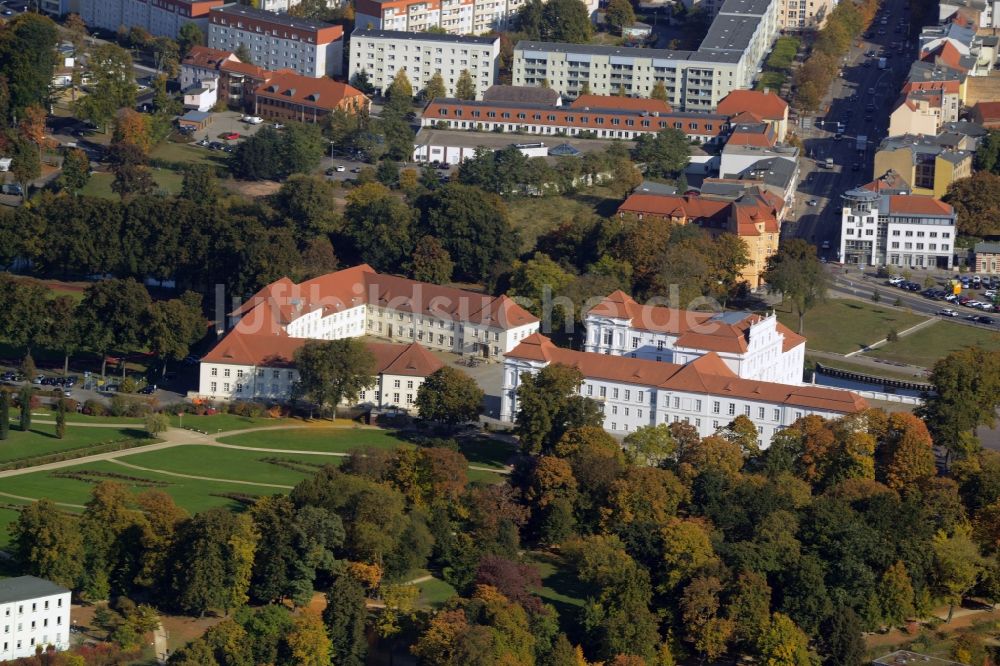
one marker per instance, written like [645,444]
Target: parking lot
[977,295]
[226,122]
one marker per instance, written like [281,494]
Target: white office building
[33,613]
[704,392]
[383,53]
[728,59]
[752,346]
[908,231]
[278,41]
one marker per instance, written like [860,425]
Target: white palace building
[650,365]
[254,361]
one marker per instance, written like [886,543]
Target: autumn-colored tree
[749,608]
[710,453]
[743,432]
[132,127]
[896,594]
[906,454]
[551,478]
[957,564]
[32,126]
[704,628]
[783,644]
[646,496]
[307,642]
[687,549]
[650,445]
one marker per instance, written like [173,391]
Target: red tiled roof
[239,348]
[987,111]
[674,205]
[948,87]
[765,105]
[322,92]
[245,68]
[619,305]
[707,375]
[946,53]
[622,103]
[206,58]
[908,203]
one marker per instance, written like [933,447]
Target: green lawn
[483,452]
[560,588]
[317,439]
[7,516]
[231,464]
[187,152]
[929,344]
[99,184]
[41,440]
[434,593]
[842,325]
[534,216]
[771,81]
[783,53]
[225,422]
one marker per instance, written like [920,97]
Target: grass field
[41,440]
[231,464]
[99,184]
[226,422]
[533,216]
[783,53]
[189,153]
[927,345]
[561,589]
[435,592]
[842,326]
[7,516]
[771,81]
[484,452]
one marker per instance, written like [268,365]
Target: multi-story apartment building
[703,392]
[603,117]
[727,59]
[456,17]
[290,96]
[34,614]
[798,15]
[928,163]
[354,302]
[383,53]
[283,6]
[908,231]
[160,18]
[278,41]
[752,346]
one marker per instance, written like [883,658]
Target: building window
[214,372]
[635,343]
[732,408]
[677,402]
[614,393]
[716,406]
[697,405]
[604,391]
[213,387]
[746,410]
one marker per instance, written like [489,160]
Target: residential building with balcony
[383,53]
[456,17]
[727,59]
[906,231]
[278,41]
[160,18]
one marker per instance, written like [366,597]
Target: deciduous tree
[449,396]
[75,170]
[333,371]
[113,86]
[796,272]
[46,543]
[548,407]
[344,617]
[665,154]
[435,88]
[620,14]
[465,87]
[431,261]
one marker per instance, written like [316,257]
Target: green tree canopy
[665,154]
[796,272]
[333,371]
[449,396]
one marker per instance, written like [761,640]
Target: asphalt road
[846,102]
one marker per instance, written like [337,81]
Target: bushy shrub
[95,408]
[122,405]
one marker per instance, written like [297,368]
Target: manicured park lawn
[927,345]
[480,452]
[332,440]
[41,440]
[434,593]
[99,184]
[843,325]
[7,516]
[225,422]
[220,463]
[560,588]
[187,152]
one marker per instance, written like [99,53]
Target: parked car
[947,313]
[984,320]
[231,136]
[252,120]
[149,389]
[812,202]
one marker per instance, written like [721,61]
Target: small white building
[33,613]
[752,346]
[704,392]
[909,231]
[381,54]
[202,97]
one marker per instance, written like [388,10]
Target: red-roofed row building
[698,386]
[268,328]
[209,75]
[754,216]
